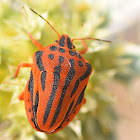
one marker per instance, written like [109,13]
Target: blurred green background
[116,65]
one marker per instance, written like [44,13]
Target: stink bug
[54,92]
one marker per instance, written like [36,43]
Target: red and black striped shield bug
[59,75]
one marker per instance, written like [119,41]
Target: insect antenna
[45,20]
[91,39]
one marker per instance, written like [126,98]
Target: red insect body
[54,92]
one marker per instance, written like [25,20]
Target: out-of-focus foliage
[96,120]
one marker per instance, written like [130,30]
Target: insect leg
[21,65]
[35,42]
[85,47]
[21,96]
[84,101]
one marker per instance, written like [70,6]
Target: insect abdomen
[56,88]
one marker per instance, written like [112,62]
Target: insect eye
[56,41]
